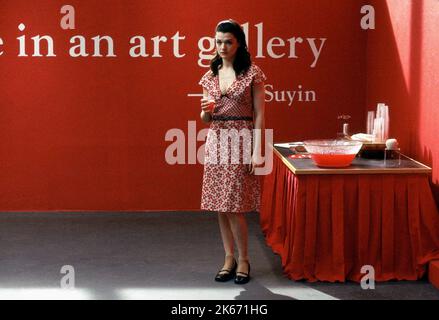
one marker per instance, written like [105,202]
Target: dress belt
[231,118]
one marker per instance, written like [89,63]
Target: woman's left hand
[257,161]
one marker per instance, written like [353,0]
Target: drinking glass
[211,101]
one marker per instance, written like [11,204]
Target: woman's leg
[227,237]
[239,228]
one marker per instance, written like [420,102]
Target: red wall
[89,133]
[403,72]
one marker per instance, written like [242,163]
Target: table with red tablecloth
[326,224]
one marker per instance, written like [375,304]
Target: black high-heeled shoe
[242,277]
[226,274]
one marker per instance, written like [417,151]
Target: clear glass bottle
[343,124]
[392,157]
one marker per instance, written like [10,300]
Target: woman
[234,86]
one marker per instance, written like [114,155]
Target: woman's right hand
[207,105]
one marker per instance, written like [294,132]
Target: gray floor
[169,255]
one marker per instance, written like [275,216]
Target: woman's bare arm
[258,91]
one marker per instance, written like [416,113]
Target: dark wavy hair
[243,58]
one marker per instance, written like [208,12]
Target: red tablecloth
[326,227]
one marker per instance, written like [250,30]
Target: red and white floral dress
[228,186]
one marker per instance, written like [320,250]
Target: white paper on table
[362,137]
